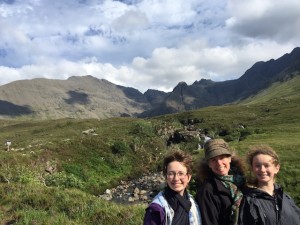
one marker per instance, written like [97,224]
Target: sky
[144,44]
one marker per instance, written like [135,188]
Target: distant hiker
[8,144]
[264,201]
[221,176]
[174,205]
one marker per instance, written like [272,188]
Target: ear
[277,168]
[189,177]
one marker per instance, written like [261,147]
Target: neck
[267,187]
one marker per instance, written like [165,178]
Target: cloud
[271,19]
[143,43]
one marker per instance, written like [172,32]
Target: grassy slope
[275,112]
[123,147]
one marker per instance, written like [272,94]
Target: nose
[262,168]
[176,176]
[219,161]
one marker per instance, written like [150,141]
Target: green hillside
[84,165]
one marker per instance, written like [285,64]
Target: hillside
[84,165]
[76,97]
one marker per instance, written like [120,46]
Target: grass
[62,206]
[124,148]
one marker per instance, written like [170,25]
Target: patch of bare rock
[137,191]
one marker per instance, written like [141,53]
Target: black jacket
[215,202]
[260,208]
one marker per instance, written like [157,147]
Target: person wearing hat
[221,175]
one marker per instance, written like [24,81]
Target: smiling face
[177,177]
[264,169]
[220,165]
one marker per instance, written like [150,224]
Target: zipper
[276,208]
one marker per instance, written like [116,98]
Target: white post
[8,144]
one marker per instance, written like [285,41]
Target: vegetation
[80,166]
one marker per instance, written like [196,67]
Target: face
[220,165]
[264,169]
[180,181]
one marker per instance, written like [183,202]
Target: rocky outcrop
[137,191]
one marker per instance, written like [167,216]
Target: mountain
[89,97]
[76,97]
[205,93]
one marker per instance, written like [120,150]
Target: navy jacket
[260,208]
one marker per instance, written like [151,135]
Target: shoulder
[207,185]
[213,186]
[155,214]
[159,199]
[287,199]
[249,190]
[154,207]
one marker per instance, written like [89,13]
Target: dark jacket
[215,202]
[260,208]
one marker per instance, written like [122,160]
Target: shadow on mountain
[77,97]
[133,94]
[10,109]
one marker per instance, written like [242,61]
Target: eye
[181,174]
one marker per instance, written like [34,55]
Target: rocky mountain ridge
[205,93]
[90,97]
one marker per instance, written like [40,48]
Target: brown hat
[216,147]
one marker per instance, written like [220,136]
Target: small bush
[63,180]
[120,147]
[143,129]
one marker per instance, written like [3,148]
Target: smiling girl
[264,202]
[174,205]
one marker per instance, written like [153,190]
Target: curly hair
[264,150]
[257,150]
[178,156]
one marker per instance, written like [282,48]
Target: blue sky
[144,44]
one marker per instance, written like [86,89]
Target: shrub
[245,132]
[143,129]
[120,147]
[63,180]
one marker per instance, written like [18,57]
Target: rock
[140,190]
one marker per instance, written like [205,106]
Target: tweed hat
[216,147]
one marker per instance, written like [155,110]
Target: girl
[265,203]
[174,205]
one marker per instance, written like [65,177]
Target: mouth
[221,168]
[263,175]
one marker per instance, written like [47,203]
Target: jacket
[215,202]
[260,208]
[164,213]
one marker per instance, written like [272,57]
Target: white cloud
[143,43]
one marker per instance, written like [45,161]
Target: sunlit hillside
[84,164]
